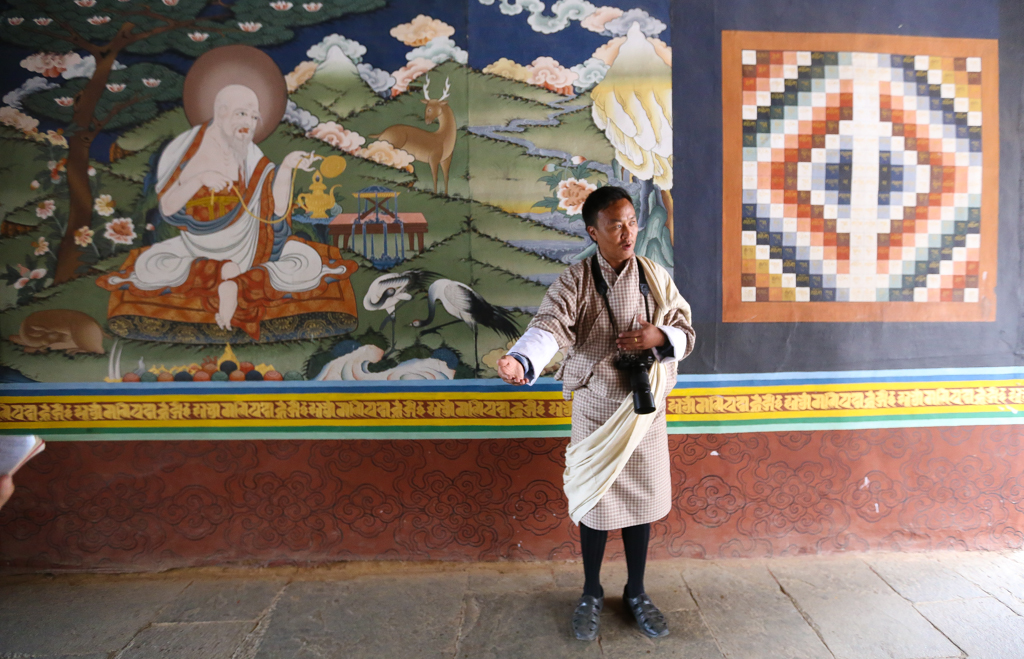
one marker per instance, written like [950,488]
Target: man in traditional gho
[612,305]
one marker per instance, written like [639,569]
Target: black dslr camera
[637,365]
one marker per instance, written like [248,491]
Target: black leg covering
[635,540]
[592,542]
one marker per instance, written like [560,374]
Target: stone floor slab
[368,617]
[662,581]
[748,614]
[984,628]
[510,579]
[999,576]
[79,615]
[920,578]
[522,626]
[222,600]
[688,637]
[856,613]
[209,640]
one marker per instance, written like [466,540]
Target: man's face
[238,113]
[615,233]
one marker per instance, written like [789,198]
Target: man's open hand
[645,338]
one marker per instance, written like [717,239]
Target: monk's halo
[236,65]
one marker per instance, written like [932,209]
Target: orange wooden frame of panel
[734,308]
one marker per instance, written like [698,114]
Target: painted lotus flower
[198,36]
[312,6]
[38,273]
[15,20]
[21,283]
[170,3]
[250,26]
[151,82]
[40,246]
[34,185]
[85,3]
[45,209]
[83,236]
[120,231]
[64,101]
[98,20]
[572,193]
[42,21]
[104,205]
[550,167]
[115,87]
[92,170]
[280,5]
[578,160]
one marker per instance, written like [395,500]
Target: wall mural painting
[861,178]
[360,190]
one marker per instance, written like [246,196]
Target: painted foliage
[289,191]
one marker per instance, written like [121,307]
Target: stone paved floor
[892,606]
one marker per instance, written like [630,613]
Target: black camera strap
[602,288]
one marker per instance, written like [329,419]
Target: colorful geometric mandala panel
[862,177]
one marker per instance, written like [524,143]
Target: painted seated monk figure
[234,262]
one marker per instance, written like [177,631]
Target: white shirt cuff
[537,345]
[677,340]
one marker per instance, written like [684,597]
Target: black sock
[592,542]
[635,540]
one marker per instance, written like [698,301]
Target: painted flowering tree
[90,35]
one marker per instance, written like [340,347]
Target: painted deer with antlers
[434,148]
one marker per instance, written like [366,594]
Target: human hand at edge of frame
[511,371]
[6,488]
[647,337]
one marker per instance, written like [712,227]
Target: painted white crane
[469,307]
[388,292]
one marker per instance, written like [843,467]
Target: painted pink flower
[198,36]
[40,246]
[281,5]
[151,82]
[572,193]
[34,185]
[42,21]
[550,167]
[38,273]
[83,236]
[120,231]
[170,3]
[64,101]
[250,26]
[115,87]
[578,160]
[85,3]
[312,6]
[91,171]
[21,283]
[104,205]
[45,209]
[98,20]
[15,20]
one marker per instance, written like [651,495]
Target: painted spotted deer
[434,148]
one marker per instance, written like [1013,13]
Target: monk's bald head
[236,112]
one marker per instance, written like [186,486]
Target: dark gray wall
[769,347]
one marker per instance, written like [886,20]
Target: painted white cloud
[650,26]
[379,80]
[439,50]
[590,73]
[296,116]
[352,49]
[563,12]
[31,86]
[84,67]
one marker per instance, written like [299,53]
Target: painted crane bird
[468,307]
[389,291]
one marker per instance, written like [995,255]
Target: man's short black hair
[601,199]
